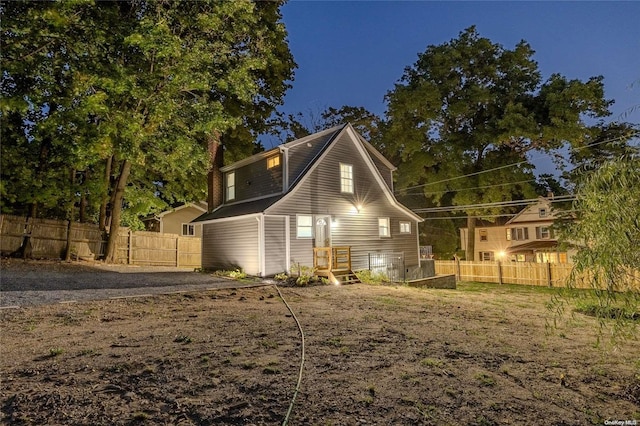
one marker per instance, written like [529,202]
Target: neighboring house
[178,220]
[527,237]
[323,201]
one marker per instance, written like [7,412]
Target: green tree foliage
[130,93]
[469,106]
[607,236]
[301,124]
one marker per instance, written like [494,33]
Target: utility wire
[491,205]
[470,188]
[520,162]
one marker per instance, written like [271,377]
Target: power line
[470,188]
[496,204]
[521,162]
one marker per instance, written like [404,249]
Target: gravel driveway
[28,283]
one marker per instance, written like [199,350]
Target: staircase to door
[335,264]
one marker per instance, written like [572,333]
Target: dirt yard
[378,355]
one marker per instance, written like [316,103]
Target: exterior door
[323,231]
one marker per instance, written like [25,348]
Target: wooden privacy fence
[526,273]
[48,239]
[154,249]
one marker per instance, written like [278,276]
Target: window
[486,256]
[383,227]
[305,226]
[405,227]
[273,162]
[542,212]
[543,233]
[517,234]
[231,186]
[346,178]
[188,230]
[483,235]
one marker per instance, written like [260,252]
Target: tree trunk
[68,248]
[116,210]
[215,195]
[470,253]
[105,196]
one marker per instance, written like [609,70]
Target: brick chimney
[214,178]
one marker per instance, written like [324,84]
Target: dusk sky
[352,53]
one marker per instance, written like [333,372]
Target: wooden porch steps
[346,276]
[335,264]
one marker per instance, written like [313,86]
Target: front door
[323,231]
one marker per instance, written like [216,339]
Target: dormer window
[273,161]
[542,212]
[231,186]
[346,178]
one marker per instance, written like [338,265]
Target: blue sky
[353,52]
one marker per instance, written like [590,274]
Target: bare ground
[378,355]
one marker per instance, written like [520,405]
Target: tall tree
[607,236]
[469,107]
[158,78]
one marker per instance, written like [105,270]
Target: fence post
[130,259]
[177,252]
[549,282]
[499,272]
[458,273]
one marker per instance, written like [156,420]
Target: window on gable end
[346,178]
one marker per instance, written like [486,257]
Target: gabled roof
[318,144]
[200,205]
[528,209]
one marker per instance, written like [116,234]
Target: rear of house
[287,205]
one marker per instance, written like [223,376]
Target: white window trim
[542,212]
[346,182]
[404,224]
[189,226]
[273,161]
[545,233]
[231,186]
[310,226]
[387,227]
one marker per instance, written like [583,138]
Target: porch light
[501,254]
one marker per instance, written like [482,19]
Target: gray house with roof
[324,201]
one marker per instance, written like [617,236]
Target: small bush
[370,277]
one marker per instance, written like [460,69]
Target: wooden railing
[332,258]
